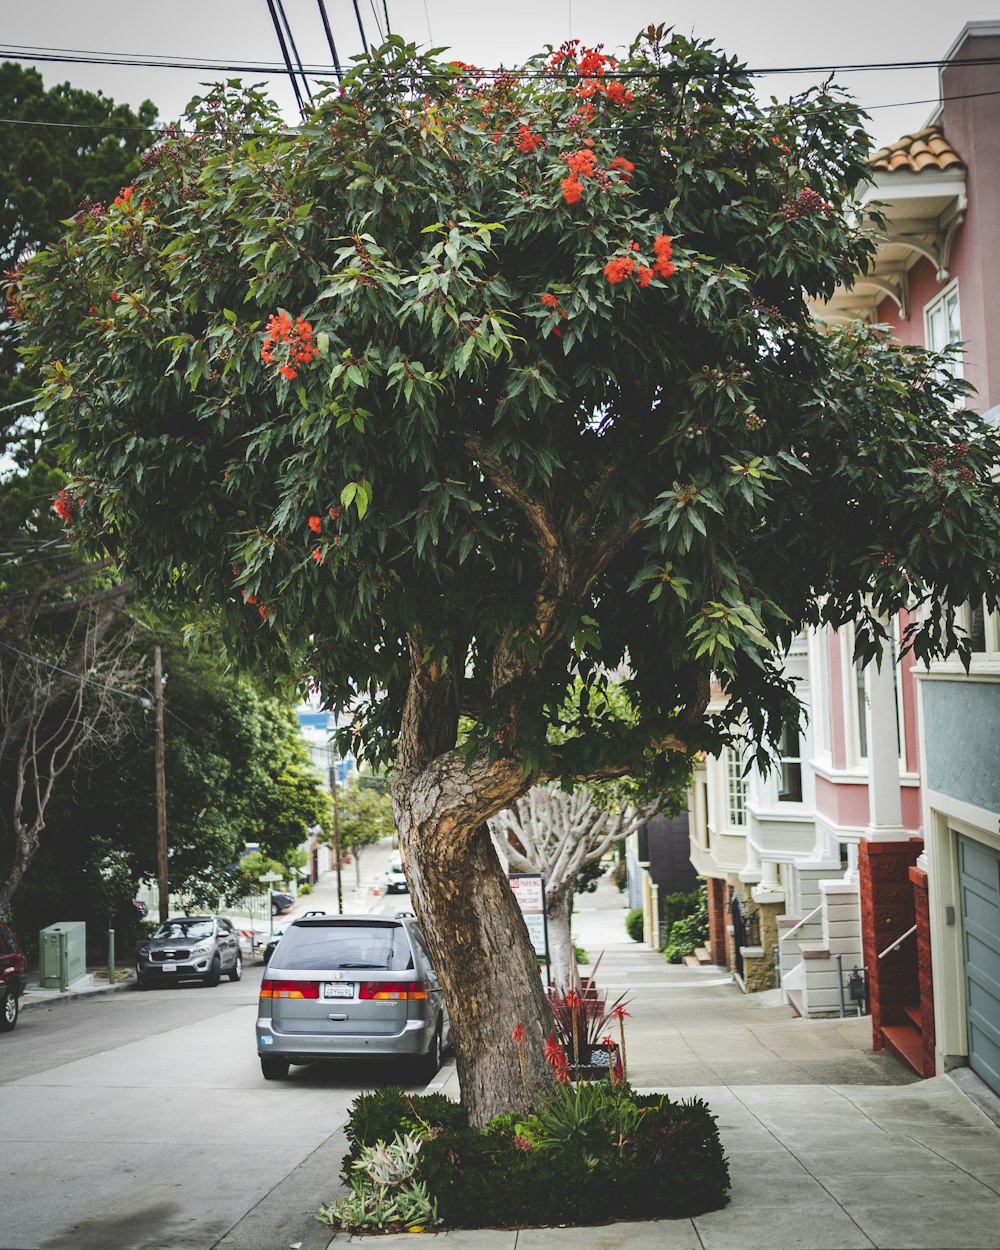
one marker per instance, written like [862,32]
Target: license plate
[169,967]
[338,989]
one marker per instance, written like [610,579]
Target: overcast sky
[763,33]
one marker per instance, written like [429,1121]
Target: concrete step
[702,955]
[692,961]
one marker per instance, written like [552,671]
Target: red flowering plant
[582,1024]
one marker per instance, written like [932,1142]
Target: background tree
[365,815]
[63,647]
[237,771]
[555,401]
[59,704]
[562,834]
[59,146]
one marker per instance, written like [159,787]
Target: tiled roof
[927,149]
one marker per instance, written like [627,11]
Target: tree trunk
[560,909]
[487,966]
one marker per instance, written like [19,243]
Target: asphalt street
[141,1120]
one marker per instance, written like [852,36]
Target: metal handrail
[894,946]
[804,920]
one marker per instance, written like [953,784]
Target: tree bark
[564,970]
[477,939]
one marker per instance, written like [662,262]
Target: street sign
[529,891]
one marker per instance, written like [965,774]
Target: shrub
[590,1152]
[619,874]
[689,930]
[305,888]
[634,924]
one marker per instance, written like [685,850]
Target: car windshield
[184,930]
[342,944]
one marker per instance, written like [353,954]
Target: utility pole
[336,827]
[161,788]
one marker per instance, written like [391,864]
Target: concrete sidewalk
[831,1146]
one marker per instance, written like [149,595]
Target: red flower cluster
[555,1057]
[124,197]
[621,267]
[551,302]
[526,141]
[625,167]
[618,269]
[582,164]
[317,555]
[572,189]
[293,340]
[316,524]
[519,1034]
[64,504]
[662,248]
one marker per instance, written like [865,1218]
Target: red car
[13,977]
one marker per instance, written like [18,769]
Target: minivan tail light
[289,989]
[392,989]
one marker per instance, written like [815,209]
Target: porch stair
[906,1042]
[700,959]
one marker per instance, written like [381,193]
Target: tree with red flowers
[568,417]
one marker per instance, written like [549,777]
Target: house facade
[871,852]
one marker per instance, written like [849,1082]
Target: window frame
[940,303]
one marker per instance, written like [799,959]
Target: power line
[172,129]
[27,52]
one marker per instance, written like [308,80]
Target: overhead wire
[30,52]
[287,58]
[329,38]
[294,47]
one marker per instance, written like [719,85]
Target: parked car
[281,900]
[395,878]
[13,977]
[341,987]
[190,948]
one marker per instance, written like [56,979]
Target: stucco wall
[962,740]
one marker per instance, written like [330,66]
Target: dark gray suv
[190,948]
[339,987]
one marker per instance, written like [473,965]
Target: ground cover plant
[479,388]
[591,1152]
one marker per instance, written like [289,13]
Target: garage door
[979,868]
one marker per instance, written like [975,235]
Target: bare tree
[61,693]
[559,833]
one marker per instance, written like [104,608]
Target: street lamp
[268,879]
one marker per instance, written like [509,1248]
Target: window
[790,756]
[823,693]
[736,790]
[861,707]
[942,325]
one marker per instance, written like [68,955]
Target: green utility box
[62,954]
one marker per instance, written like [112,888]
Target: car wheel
[431,1062]
[274,909]
[237,971]
[215,972]
[273,1067]
[8,1011]
[140,982]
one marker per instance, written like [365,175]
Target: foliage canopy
[498,399]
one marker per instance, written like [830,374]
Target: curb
[28,1000]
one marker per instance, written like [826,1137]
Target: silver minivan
[340,987]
